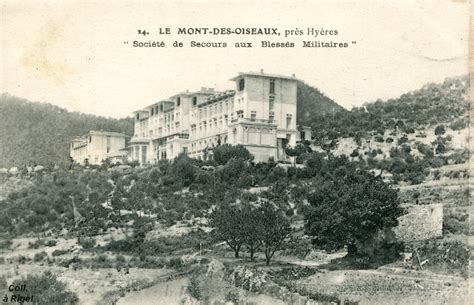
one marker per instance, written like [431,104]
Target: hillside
[445,103]
[39,133]
[312,103]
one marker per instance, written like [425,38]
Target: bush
[354,153]
[458,124]
[233,297]
[223,153]
[402,140]
[194,288]
[38,243]
[87,243]
[5,243]
[51,243]
[59,252]
[40,256]
[379,139]
[449,256]
[440,130]
[46,289]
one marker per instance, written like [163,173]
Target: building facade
[259,113]
[97,146]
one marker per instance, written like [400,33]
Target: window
[271,101]
[138,116]
[253,115]
[90,139]
[152,111]
[161,108]
[178,101]
[272,86]
[194,100]
[271,116]
[288,121]
[108,144]
[241,84]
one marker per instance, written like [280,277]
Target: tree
[298,150]
[223,153]
[351,209]
[228,221]
[276,229]
[440,130]
[252,230]
[184,170]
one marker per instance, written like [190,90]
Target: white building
[97,146]
[260,114]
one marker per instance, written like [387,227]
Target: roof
[156,104]
[140,110]
[205,92]
[262,74]
[108,133]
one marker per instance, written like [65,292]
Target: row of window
[213,109]
[207,143]
[241,86]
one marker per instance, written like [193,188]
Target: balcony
[255,121]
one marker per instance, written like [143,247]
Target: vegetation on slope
[88,202]
[312,103]
[39,133]
[431,105]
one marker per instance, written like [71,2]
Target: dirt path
[166,293]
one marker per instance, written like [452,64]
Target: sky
[72,53]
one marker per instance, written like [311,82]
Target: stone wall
[421,222]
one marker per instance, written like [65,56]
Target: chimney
[293,75]
[261,71]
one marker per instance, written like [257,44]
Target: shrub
[458,124]
[46,289]
[379,139]
[440,130]
[120,259]
[354,153]
[454,226]
[233,297]
[402,140]
[51,243]
[87,243]
[175,262]
[5,243]
[194,288]
[40,256]
[59,252]
[38,243]
[450,256]
[223,153]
